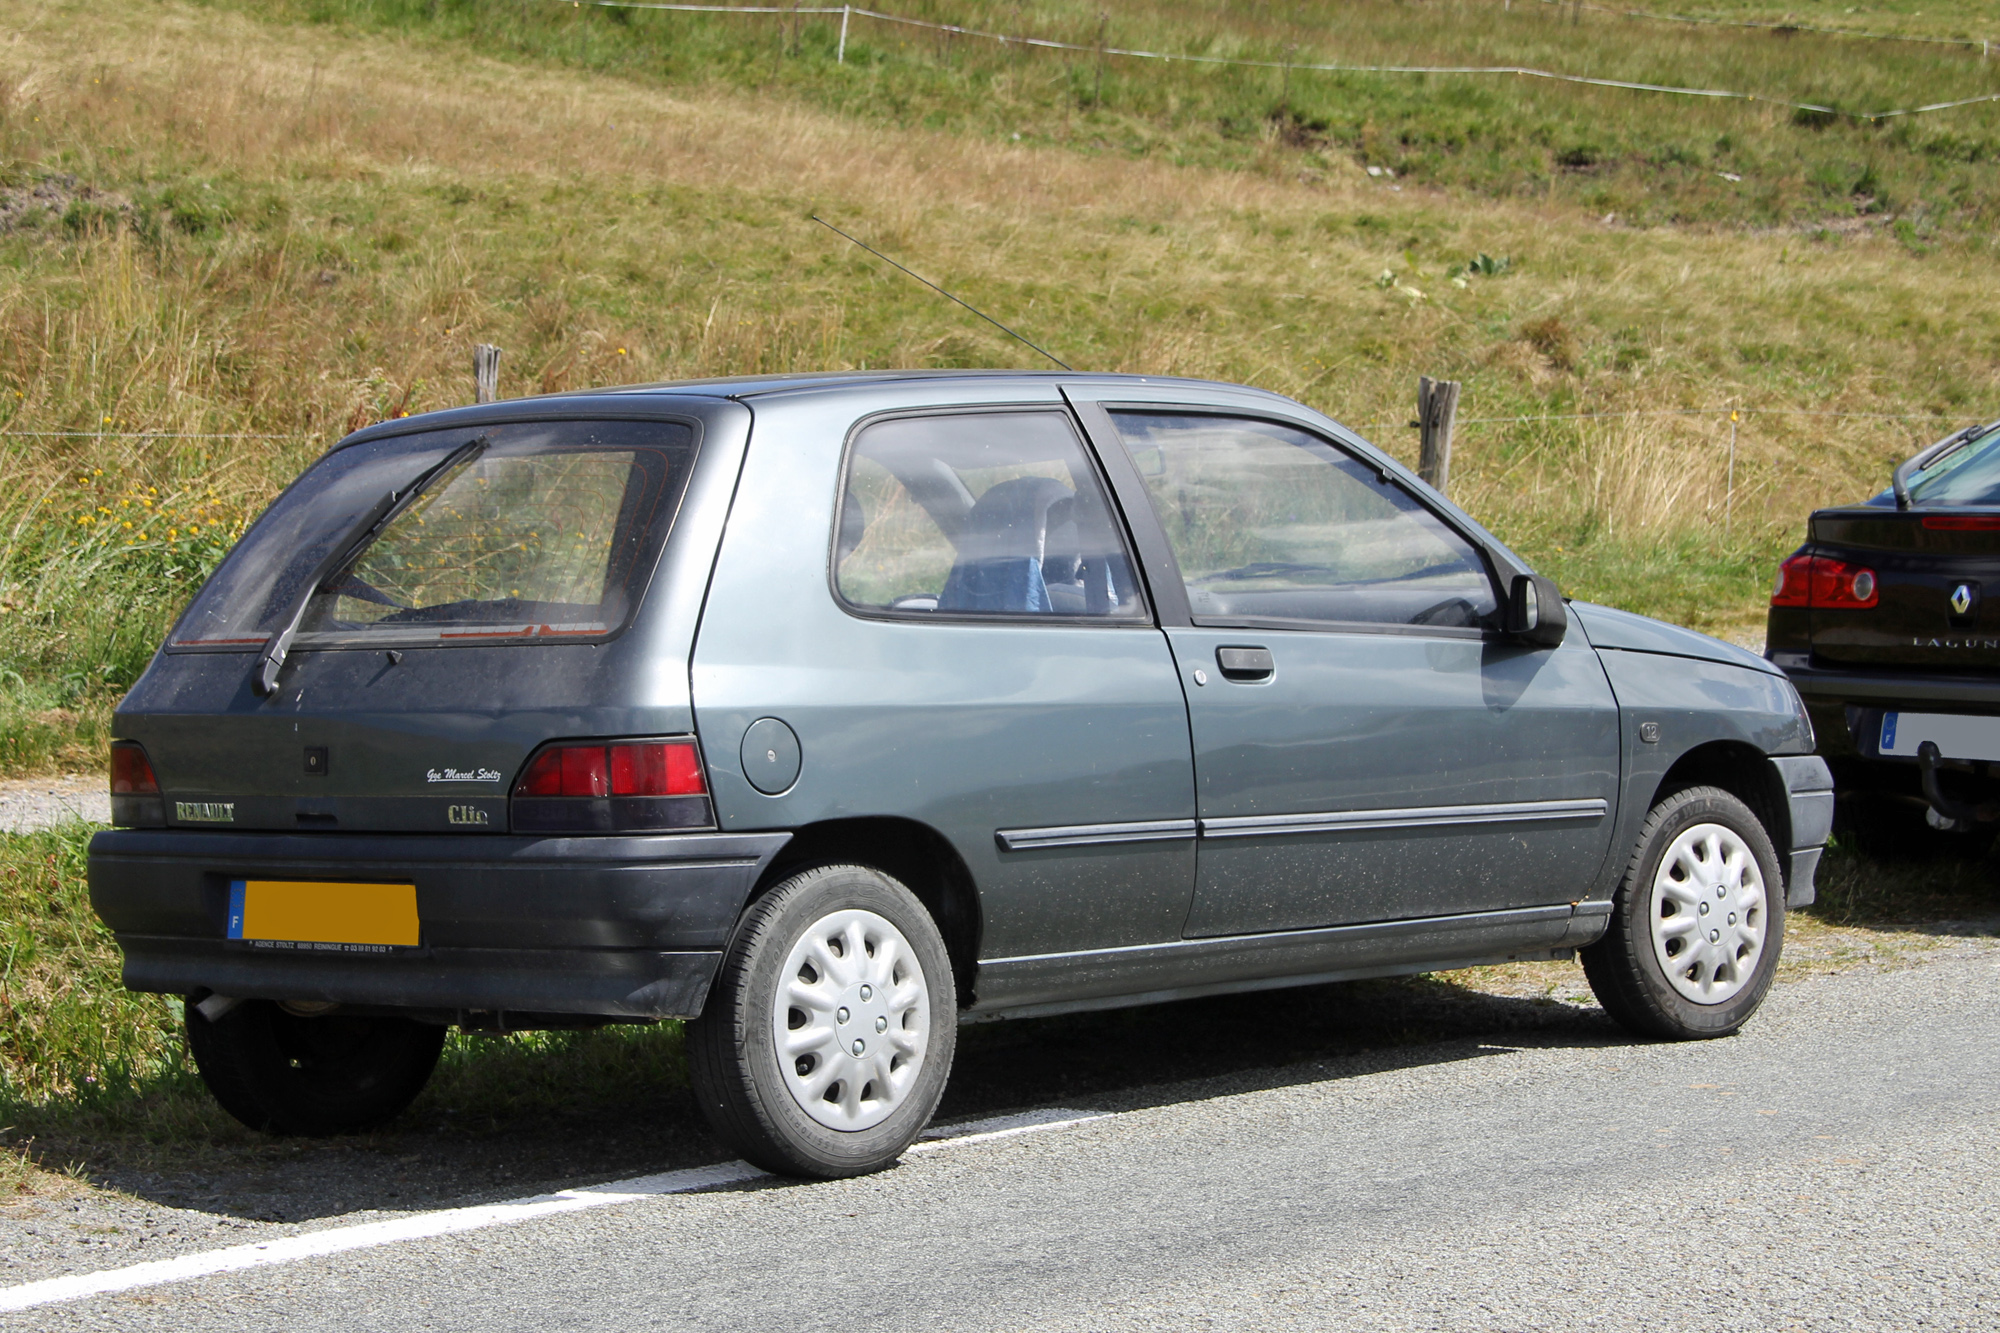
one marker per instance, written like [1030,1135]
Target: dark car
[1881,619]
[829,712]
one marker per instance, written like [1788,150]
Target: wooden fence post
[1437,410]
[485,373]
[1097,93]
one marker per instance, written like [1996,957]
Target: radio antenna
[942,292]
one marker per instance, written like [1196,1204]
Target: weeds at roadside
[91,1073]
[1953,886]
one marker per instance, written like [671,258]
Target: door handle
[1245,664]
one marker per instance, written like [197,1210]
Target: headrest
[1011,519]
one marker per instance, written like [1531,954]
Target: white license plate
[1957,736]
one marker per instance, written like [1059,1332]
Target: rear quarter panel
[966,728]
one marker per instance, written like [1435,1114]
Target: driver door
[1368,746]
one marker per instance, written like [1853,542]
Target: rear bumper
[588,983]
[1838,700]
[624,927]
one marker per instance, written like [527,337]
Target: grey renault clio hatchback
[830,712]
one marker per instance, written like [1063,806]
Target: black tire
[733,1048]
[284,1074]
[1625,967]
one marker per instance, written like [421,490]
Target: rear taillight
[1823,583]
[135,793]
[613,787]
[1794,586]
[1837,585]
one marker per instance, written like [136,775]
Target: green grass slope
[232,232]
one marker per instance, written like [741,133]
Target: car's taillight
[1823,583]
[1794,586]
[135,793]
[1837,585]
[613,787]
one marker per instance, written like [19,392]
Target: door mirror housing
[1535,611]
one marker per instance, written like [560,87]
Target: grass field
[259,226]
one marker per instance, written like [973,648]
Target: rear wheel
[1698,922]
[829,1033]
[286,1074]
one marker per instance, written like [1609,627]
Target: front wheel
[827,1037]
[1698,922]
[285,1074]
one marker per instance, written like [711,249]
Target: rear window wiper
[271,658]
[1900,481]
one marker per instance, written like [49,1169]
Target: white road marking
[449,1221]
[1002,1127]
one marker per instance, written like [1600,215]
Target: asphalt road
[1832,1167]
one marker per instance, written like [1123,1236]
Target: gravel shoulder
[27,804]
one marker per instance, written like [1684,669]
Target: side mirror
[1535,611]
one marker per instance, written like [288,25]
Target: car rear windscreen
[542,530]
[1968,476]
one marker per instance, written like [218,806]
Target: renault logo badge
[1961,599]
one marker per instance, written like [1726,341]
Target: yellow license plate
[315,912]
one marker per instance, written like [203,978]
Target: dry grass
[569,174]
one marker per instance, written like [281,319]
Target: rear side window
[1270,523]
[549,530]
[979,514]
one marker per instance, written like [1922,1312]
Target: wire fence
[848,13]
[147,435]
[1726,456]
[144,435]
[1734,417]
[1723,412]
[1783,27]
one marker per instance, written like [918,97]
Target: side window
[979,514]
[1269,522]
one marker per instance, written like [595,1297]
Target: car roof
[750,387]
[755,386]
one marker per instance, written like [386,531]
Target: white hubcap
[1708,914]
[851,1020]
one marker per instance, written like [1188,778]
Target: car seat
[1001,549]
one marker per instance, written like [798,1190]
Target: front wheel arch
[1746,773]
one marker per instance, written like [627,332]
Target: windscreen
[547,530]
